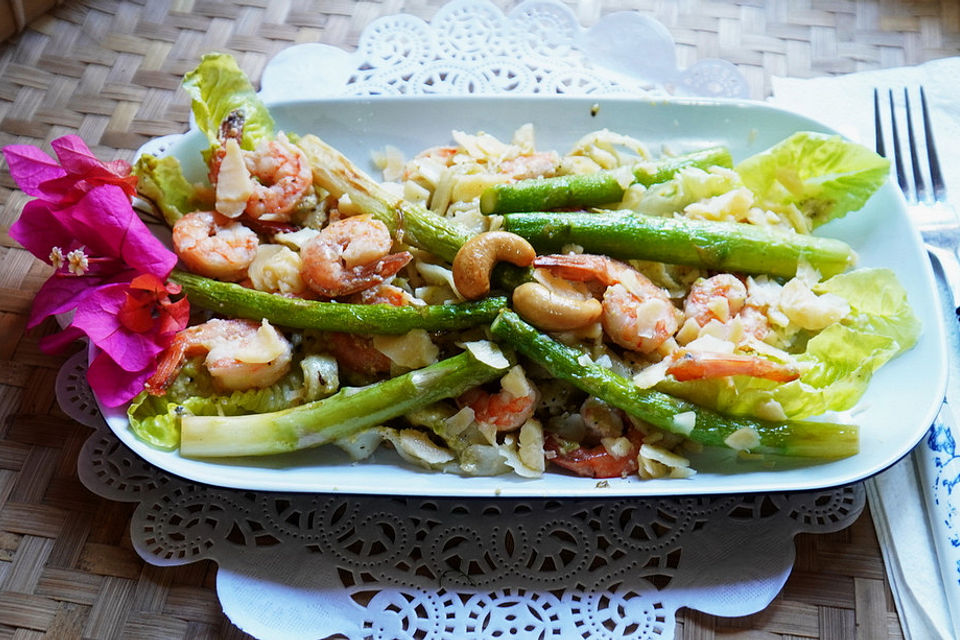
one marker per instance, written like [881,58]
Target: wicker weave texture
[110,72]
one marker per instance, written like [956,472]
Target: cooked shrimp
[718,297]
[637,314]
[600,419]
[699,365]
[595,461]
[240,354]
[723,297]
[755,322]
[507,409]
[281,178]
[356,353]
[383,294]
[531,165]
[350,255]
[214,246]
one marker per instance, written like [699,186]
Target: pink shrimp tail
[372,274]
[690,365]
[390,264]
[367,275]
[171,361]
[582,267]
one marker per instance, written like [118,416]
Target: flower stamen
[78,263]
[56,258]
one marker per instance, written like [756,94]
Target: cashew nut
[475,260]
[551,311]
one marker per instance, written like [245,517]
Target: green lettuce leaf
[161,181]
[825,176]
[218,87]
[156,419]
[838,362]
[689,185]
[880,304]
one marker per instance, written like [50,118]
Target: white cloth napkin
[896,496]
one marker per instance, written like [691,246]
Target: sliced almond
[234,186]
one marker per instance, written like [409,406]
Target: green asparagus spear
[411,223]
[539,194]
[648,173]
[794,438]
[593,189]
[721,246]
[236,301]
[345,413]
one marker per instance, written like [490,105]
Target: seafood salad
[487,306]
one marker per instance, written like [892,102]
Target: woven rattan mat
[110,71]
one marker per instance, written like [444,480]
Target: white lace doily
[306,566]
[470,46]
[296,565]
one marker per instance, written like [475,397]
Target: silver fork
[940,229]
[927,204]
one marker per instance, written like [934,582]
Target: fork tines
[916,177]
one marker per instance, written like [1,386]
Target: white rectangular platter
[893,415]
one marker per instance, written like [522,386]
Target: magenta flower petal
[57,295]
[97,317]
[38,230]
[30,167]
[113,385]
[104,221]
[78,171]
[99,220]
[86,170]
[60,294]
[75,156]
[57,342]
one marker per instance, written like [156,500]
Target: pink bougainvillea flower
[103,230]
[148,306]
[131,324]
[77,172]
[109,269]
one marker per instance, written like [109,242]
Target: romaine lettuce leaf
[838,362]
[218,87]
[689,185]
[161,181]
[825,176]
[880,303]
[156,419]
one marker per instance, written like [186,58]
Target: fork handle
[951,270]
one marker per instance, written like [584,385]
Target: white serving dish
[896,411]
